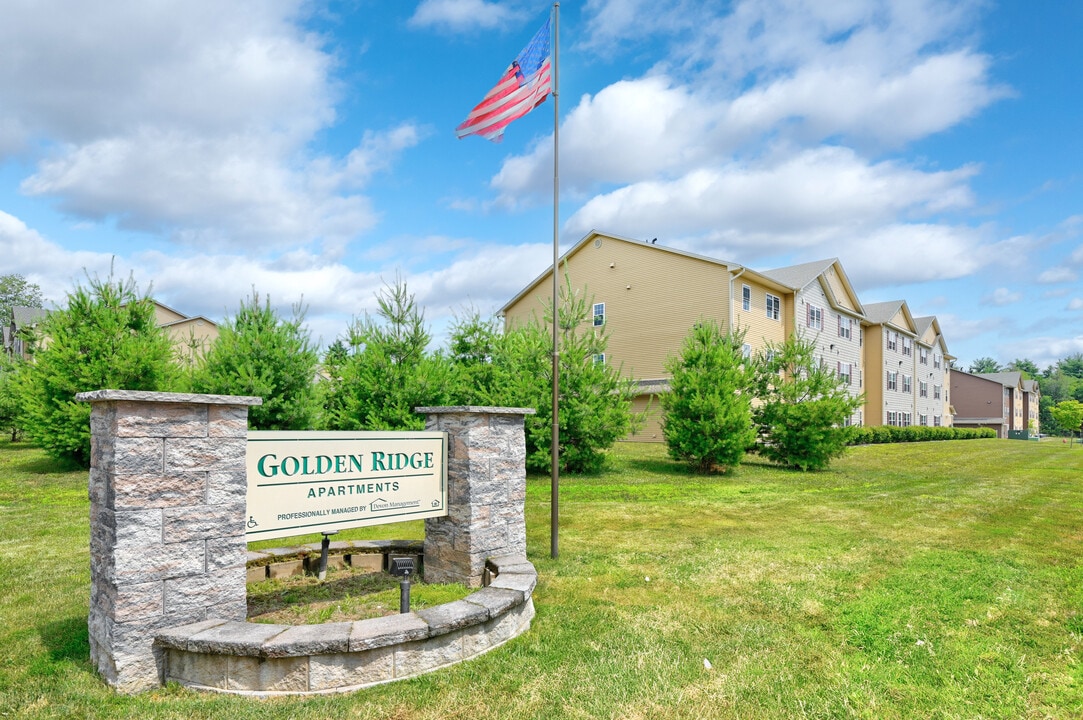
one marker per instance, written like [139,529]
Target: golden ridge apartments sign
[303,482]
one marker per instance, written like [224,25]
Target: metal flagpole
[554,523]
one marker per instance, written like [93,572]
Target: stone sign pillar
[486,471]
[167,514]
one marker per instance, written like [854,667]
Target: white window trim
[774,307]
[746,297]
[599,315]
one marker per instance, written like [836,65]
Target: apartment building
[1004,401]
[649,296]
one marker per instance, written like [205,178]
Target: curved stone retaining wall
[255,659]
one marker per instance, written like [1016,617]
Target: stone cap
[167,397]
[480,409]
[513,586]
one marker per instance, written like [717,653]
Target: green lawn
[936,580]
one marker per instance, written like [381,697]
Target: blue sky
[308,150]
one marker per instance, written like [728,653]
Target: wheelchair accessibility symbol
[252,522]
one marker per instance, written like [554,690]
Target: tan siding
[652,299]
[759,329]
[193,337]
[164,316]
[651,430]
[839,290]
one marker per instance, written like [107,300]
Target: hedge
[915,433]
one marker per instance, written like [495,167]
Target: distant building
[1004,401]
[192,336]
[19,328]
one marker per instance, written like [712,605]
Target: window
[845,330]
[936,421]
[599,359]
[936,361]
[893,341]
[746,351]
[892,380]
[923,356]
[746,297]
[908,383]
[774,307]
[923,420]
[892,418]
[936,392]
[814,317]
[905,419]
[846,372]
[923,389]
[908,346]
[599,314]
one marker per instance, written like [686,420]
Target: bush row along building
[648,297]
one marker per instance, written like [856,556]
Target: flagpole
[554,529]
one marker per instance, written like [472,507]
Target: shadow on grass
[25,457]
[67,639]
[271,596]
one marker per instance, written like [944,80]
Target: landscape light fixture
[325,547]
[402,567]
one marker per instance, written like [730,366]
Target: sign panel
[304,482]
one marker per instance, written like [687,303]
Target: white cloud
[958,328]
[480,276]
[1002,296]
[1043,350]
[458,15]
[901,254]
[188,119]
[1057,275]
[817,198]
[1075,304]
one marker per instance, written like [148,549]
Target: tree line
[721,404]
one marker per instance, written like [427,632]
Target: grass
[933,580]
[345,595]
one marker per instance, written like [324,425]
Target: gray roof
[922,324]
[798,276]
[882,312]
[24,316]
[1010,378]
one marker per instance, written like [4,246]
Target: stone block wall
[486,471]
[167,502]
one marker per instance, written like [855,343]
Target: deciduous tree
[15,291]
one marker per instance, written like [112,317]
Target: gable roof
[884,313]
[798,277]
[595,234]
[1011,378]
[922,325]
[23,316]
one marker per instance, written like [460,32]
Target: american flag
[524,86]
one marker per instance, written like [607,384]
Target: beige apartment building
[648,297]
[191,335]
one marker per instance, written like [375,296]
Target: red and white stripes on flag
[524,86]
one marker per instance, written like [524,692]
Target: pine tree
[707,419]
